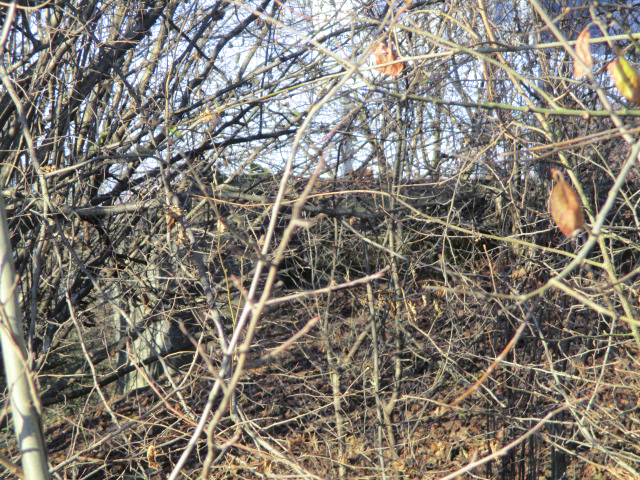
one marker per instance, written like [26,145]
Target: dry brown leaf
[386,53]
[626,79]
[171,221]
[565,206]
[583,51]
[172,214]
[518,273]
[152,453]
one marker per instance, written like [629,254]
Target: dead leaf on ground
[583,51]
[566,209]
[152,453]
[626,79]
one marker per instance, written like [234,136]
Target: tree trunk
[22,388]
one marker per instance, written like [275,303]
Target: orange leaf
[386,54]
[626,79]
[583,51]
[566,209]
[152,453]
